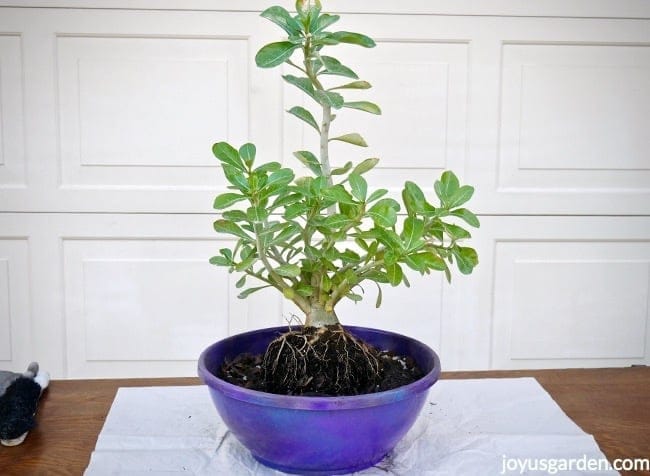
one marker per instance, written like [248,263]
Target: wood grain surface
[611,404]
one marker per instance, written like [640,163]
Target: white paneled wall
[108,110]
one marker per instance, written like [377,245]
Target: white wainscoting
[108,114]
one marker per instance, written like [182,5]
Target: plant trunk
[319,317]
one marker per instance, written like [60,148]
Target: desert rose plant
[318,238]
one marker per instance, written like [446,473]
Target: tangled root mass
[321,361]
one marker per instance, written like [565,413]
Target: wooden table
[611,404]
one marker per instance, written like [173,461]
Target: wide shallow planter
[318,435]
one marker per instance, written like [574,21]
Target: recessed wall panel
[143,112]
[12,140]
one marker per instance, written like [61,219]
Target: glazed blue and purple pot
[318,435]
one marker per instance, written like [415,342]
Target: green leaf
[246,263]
[280,178]
[219,261]
[390,202]
[268,167]
[466,259]
[228,155]
[304,84]
[413,198]
[377,194]
[241,282]
[462,195]
[334,66]
[365,166]
[395,274]
[359,186]
[309,160]
[290,230]
[354,85]
[288,270]
[247,153]
[274,54]
[244,294]
[304,115]
[412,233]
[352,138]
[235,215]
[383,215]
[257,214]
[468,216]
[282,18]
[342,170]
[336,221]
[304,7]
[379,295]
[446,187]
[284,200]
[295,210]
[366,106]
[324,21]
[235,177]
[353,38]
[328,98]
[338,194]
[227,199]
[225,226]
[456,232]
[305,290]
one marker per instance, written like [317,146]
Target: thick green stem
[320,317]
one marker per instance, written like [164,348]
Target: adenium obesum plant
[318,238]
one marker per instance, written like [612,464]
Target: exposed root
[320,361]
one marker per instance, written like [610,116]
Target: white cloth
[467,427]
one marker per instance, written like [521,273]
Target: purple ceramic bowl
[318,435]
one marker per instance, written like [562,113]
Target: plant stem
[320,317]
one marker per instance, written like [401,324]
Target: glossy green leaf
[228,155]
[336,221]
[359,186]
[227,199]
[456,232]
[268,167]
[288,270]
[466,259]
[236,177]
[342,170]
[383,215]
[328,98]
[225,226]
[354,85]
[247,153]
[244,294]
[446,187]
[219,261]
[412,233]
[304,115]
[462,195]
[338,194]
[282,18]
[395,274]
[246,263]
[365,166]
[413,198]
[304,84]
[366,106]
[353,38]
[467,216]
[377,194]
[234,215]
[274,54]
[310,160]
[280,178]
[352,138]
[257,214]
[334,66]
[324,21]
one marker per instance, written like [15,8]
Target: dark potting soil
[245,370]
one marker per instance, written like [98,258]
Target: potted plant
[319,387]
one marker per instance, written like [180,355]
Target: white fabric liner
[466,427]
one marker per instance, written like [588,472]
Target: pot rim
[319,403]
